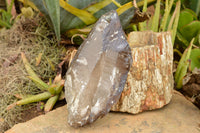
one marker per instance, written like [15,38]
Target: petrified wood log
[150,81]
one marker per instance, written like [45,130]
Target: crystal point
[98,72]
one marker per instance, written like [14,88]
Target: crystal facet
[98,72]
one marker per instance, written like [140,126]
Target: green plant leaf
[193,4]
[182,66]
[142,25]
[98,6]
[195,58]
[182,40]
[85,16]
[126,13]
[190,30]
[185,18]
[75,14]
[4,24]
[50,103]
[32,75]
[175,24]
[53,9]
[35,98]
[166,15]
[39,83]
[156,16]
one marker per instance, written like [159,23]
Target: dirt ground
[192,90]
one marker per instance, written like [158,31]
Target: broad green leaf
[76,14]
[39,4]
[195,58]
[193,4]
[182,40]
[53,9]
[190,30]
[183,66]
[185,18]
[192,13]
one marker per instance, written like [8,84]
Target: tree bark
[150,80]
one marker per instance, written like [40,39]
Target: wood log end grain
[150,80]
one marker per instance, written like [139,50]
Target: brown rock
[150,81]
[180,116]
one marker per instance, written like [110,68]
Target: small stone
[98,72]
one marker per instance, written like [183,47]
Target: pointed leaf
[33,76]
[190,30]
[166,15]
[156,17]
[50,103]
[35,98]
[182,66]
[175,24]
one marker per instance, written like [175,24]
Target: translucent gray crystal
[98,72]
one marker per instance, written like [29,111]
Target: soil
[192,90]
[35,111]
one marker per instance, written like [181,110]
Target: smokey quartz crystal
[98,72]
